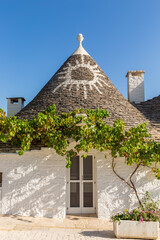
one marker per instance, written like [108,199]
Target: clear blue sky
[37,36]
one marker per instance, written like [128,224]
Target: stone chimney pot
[135,82]
[14,105]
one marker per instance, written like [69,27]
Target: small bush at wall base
[149,211]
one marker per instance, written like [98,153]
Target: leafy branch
[57,131]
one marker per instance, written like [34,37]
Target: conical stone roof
[81,83]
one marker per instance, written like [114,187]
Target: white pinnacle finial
[80,49]
[80,38]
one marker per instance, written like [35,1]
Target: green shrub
[149,211]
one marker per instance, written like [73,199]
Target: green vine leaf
[57,131]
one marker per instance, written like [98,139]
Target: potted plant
[142,222]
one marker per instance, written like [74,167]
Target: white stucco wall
[113,194]
[35,184]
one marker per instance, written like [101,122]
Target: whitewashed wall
[113,194]
[34,184]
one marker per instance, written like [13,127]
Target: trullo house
[38,183]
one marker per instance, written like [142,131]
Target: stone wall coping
[135,73]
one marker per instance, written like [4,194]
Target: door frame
[83,210]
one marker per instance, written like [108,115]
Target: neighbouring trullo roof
[81,83]
[151,110]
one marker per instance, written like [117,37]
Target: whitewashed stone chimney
[14,105]
[135,81]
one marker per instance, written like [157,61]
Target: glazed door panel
[80,186]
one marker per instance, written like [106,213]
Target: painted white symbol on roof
[83,74]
